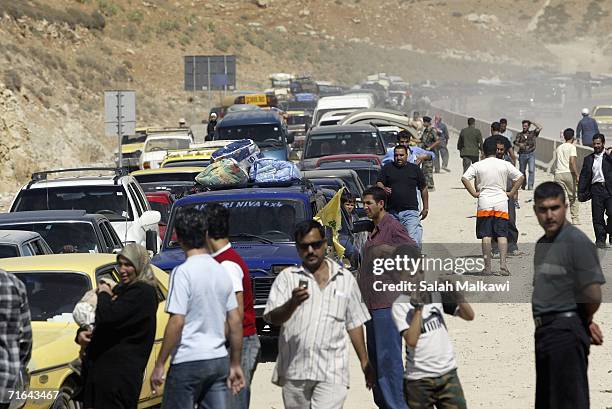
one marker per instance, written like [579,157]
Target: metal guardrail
[545,146]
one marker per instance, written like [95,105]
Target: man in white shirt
[316,305]
[595,184]
[492,217]
[566,171]
[200,300]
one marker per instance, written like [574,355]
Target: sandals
[504,272]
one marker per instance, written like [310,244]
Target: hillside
[58,56]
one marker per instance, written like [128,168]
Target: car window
[107,200]
[162,208]
[8,250]
[37,248]
[26,250]
[62,237]
[108,241]
[135,200]
[115,237]
[52,295]
[343,143]
[258,220]
[142,199]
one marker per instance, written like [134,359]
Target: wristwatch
[417,305]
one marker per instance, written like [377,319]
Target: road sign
[210,72]
[119,115]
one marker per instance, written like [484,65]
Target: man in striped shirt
[316,304]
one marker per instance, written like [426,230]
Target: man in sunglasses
[315,304]
[566,294]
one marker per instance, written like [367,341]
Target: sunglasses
[316,245]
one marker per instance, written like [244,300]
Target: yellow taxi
[198,155]
[54,284]
[131,148]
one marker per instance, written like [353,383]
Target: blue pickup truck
[262,220]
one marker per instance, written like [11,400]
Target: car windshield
[389,137]
[603,112]
[166,144]
[258,133]
[62,237]
[342,143]
[52,296]
[260,220]
[298,120]
[166,177]
[140,137]
[107,200]
[8,250]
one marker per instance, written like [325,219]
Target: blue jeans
[385,354]
[201,382]
[248,361]
[411,220]
[524,160]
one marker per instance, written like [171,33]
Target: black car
[67,231]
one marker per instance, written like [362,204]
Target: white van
[342,102]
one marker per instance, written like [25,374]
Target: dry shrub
[42,11]
[12,80]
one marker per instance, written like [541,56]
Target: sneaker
[515,253]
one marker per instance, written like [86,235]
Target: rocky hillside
[57,57]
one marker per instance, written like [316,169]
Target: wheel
[65,397]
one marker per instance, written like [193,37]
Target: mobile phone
[303,284]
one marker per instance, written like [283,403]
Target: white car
[157,146]
[119,197]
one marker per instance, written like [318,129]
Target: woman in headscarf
[119,346]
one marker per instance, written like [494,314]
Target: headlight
[280,267]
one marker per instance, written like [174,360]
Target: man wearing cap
[212,124]
[586,129]
[429,141]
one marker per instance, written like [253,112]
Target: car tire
[65,398]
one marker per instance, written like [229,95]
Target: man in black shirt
[566,294]
[402,181]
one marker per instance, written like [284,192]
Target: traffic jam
[273,159]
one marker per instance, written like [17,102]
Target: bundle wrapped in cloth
[244,152]
[225,172]
[272,170]
[84,312]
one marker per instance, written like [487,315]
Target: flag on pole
[331,216]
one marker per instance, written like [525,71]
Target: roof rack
[304,183]
[40,176]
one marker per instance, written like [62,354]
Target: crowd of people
[211,341]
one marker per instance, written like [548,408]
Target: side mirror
[151,240]
[150,217]
[363,225]
[290,139]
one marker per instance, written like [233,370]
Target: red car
[352,157]
[162,202]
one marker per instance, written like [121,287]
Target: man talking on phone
[315,304]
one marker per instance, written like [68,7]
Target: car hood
[257,256]
[53,344]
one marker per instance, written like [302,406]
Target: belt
[548,318]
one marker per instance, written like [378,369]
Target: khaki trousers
[567,181]
[313,395]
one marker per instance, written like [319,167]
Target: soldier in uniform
[429,141]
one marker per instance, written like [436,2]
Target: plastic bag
[272,170]
[245,152]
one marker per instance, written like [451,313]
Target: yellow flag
[331,216]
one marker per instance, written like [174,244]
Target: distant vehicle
[131,148]
[334,117]
[300,102]
[337,139]
[241,107]
[22,244]
[349,176]
[266,128]
[297,126]
[349,158]
[175,180]
[301,85]
[157,146]
[162,202]
[389,135]
[366,170]
[66,231]
[603,115]
[342,102]
[198,155]
[330,90]
[119,197]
